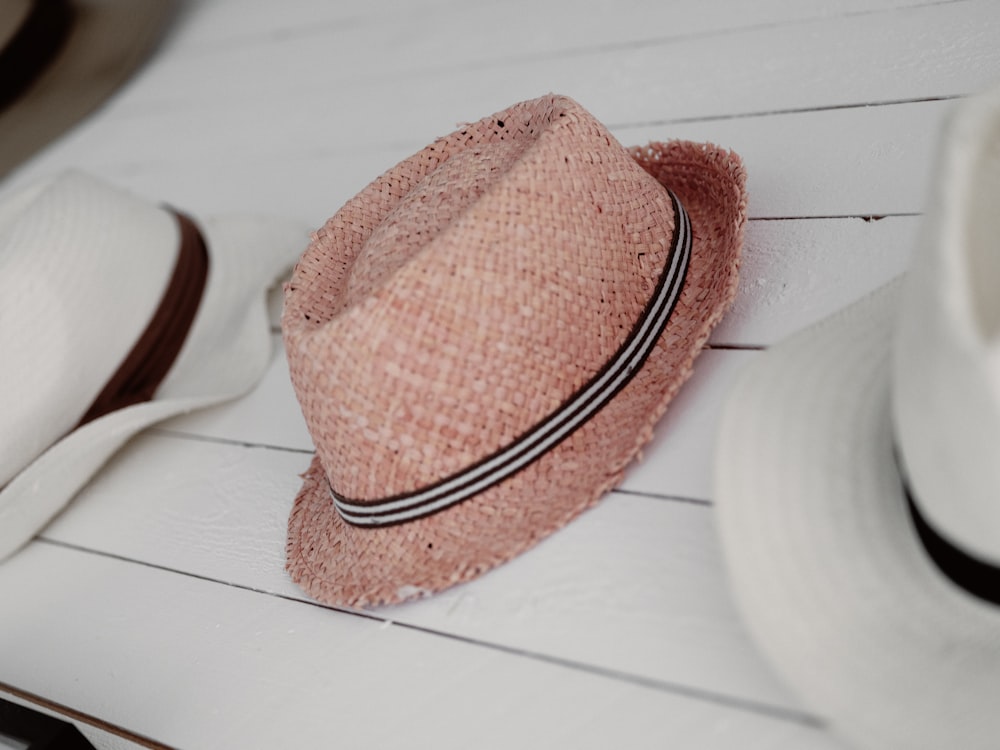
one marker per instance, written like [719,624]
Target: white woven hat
[115,314]
[858,483]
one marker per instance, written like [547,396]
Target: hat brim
[226,351]
[823,556]
[106,43]
[338,563]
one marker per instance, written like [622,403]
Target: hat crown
[946,380]
[82,268]
[429,207]
[463,297]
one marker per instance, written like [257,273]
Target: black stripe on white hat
[978,577]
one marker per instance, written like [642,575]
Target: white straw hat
[858,483]
[115,314]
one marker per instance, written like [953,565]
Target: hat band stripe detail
[591,397]
[154,352]
[981,579]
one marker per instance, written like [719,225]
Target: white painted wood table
[155,610]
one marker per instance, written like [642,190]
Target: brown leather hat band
[149,361]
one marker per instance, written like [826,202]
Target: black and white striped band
[574,412]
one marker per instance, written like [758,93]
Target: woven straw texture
[458,301]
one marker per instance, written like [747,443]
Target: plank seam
[785,111]
[181,435]
[864,217]
[701,502]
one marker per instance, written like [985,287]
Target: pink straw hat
[482,339]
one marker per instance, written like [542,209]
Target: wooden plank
[795,273]
[905,55]
[418,29]
[195,664]
[677,463]
[852,162]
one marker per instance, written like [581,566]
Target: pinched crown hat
[114,314]
[482,339]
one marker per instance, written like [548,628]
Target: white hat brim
[827,569]
[225,353]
